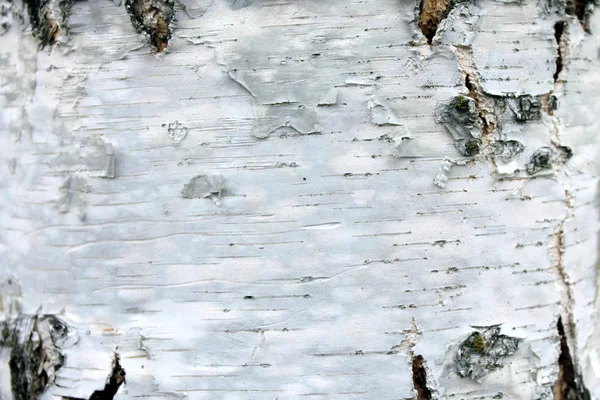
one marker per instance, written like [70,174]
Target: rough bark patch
[569,384]
[48,18]
[153,17]
[484,351]
[35,356]
[432,13]
[419,374]
[581,9]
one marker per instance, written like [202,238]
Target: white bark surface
[252,213]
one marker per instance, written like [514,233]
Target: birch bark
[224,199]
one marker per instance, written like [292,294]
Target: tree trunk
[238,199]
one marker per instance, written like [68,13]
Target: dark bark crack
[115,379]
[419,374]
[569,384]
[559,30]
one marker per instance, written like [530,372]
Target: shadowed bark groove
[559,30]
[420,378]
[569,384]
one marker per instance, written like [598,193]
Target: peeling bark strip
[153,17]
[420,378]
[48,18]
[35,354]
[115,379]
[569,384]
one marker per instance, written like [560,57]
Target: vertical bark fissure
[419,374]
[569,384]
[466,63]
[559,30]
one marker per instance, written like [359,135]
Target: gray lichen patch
[525,107]
[544,158]
[506,150]
[483,351]
[205,186]
[154,17]
[460,118]
[48,19]
[540,160]
[35,352]
[177,131]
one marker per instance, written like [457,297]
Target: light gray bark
[301,199]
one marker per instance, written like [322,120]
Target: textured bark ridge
[153,17]
[48,19]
